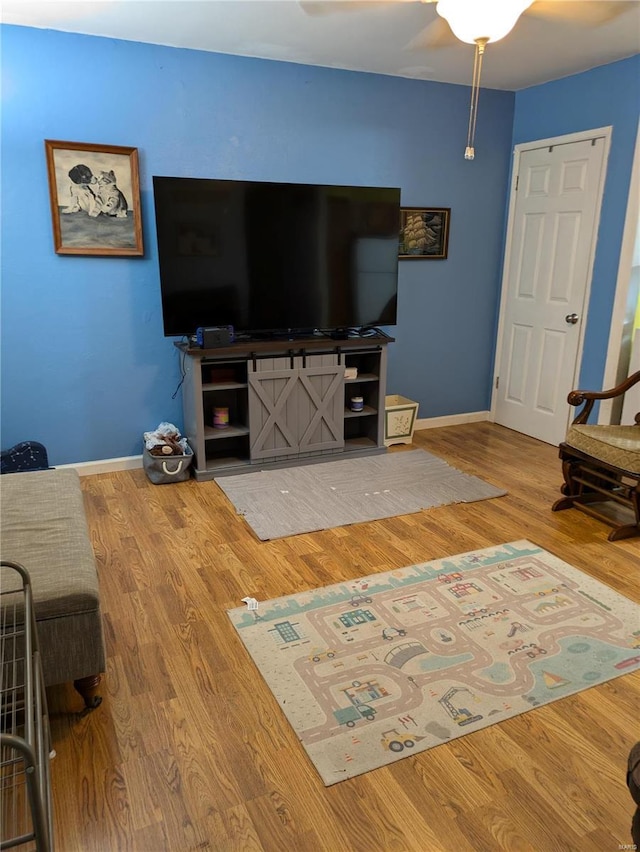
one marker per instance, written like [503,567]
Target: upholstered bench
[44,527]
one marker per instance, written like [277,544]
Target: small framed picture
[424,233]
[95,198]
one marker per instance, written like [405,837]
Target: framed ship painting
[424,233]
[95,199]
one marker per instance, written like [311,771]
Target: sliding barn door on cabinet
[296,406]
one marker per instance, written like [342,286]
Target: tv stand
[288,402]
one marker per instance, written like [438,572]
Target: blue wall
[85,366]
[609,95]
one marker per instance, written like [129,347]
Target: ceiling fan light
[486,19]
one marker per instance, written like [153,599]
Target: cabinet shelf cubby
[223,386]
[233,430]
[367,411]
[362,377]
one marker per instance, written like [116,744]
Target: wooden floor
[190,751]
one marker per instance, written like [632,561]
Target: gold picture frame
[424,233]
[94,191]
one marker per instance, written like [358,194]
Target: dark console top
[330,339]
[287,344]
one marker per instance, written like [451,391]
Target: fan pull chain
[481,43]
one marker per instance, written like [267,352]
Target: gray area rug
[293,500]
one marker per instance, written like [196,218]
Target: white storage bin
[400,416]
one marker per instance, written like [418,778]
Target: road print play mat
[372,671]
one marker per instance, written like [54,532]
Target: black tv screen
[269,257]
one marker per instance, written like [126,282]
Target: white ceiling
[372,37]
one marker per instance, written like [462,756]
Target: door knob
[572,319]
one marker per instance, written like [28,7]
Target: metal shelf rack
[25,743]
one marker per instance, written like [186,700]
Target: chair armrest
[577,397]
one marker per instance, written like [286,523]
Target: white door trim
[620,308]
[600,132]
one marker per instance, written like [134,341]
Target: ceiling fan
[480,22]
[592,13]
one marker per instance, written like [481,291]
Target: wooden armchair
[601,466]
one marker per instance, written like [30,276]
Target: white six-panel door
[553,228]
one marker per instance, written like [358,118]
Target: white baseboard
[105,465]
[452,420]
[134,462]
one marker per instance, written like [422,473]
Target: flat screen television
[275,257]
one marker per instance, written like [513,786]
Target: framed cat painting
[95,199]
